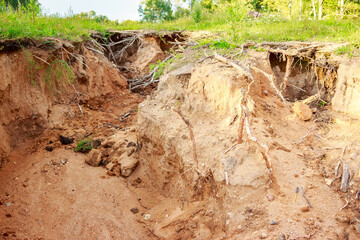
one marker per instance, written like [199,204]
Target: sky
[113,9]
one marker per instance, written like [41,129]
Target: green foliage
[217,44]
[161,67]
[322,104]
[84,145]
[155,10]
[349,50]
[31,65]
[57,75]
[181,12]
[196,12]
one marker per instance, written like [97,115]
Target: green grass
[20,24]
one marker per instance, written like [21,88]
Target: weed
[57,75]
[322,104]
[84,145]
[349,50]
[163,66]
[31,65]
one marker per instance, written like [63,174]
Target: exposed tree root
[271,79]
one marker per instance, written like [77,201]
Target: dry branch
[188,124]
[306,135]
[147,79]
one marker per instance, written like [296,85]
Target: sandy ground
[56,195]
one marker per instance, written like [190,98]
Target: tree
[155,10]
[15,4]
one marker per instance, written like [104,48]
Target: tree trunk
[342,9]
[314,8]
[300,9]
[320,8]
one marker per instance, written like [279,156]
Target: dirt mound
[211,103]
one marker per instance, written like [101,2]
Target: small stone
[342,218]
[270,197]
[134,210]
[147,217]
[25,184]
[305,209]
[8,215]
[353,156]
[94,158]
[49,148]
[263,236]
[302,110]
[274,222]
[65,140]
[8,204]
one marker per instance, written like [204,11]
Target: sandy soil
[57,195]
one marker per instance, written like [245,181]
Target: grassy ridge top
[21,24]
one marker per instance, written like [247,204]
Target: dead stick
[187,122]
[230,148]
[306,135]
[307,200]
[347,203]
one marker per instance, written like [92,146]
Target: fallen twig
[306,135]
[307,200]
[146,80]
[347,203]
[230,148]
[188,124]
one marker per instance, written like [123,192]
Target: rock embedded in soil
[134,210]
[94,158]
[305,209]
[65,140]
[49,148]
[302,110]
[274,222]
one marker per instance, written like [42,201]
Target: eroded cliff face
[216,151]
[35,81]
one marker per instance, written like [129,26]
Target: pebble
[274,222]
[8,204]
[353,156]
[147,217]
[263,236]
[134,210]
[270,197]
[305,209]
